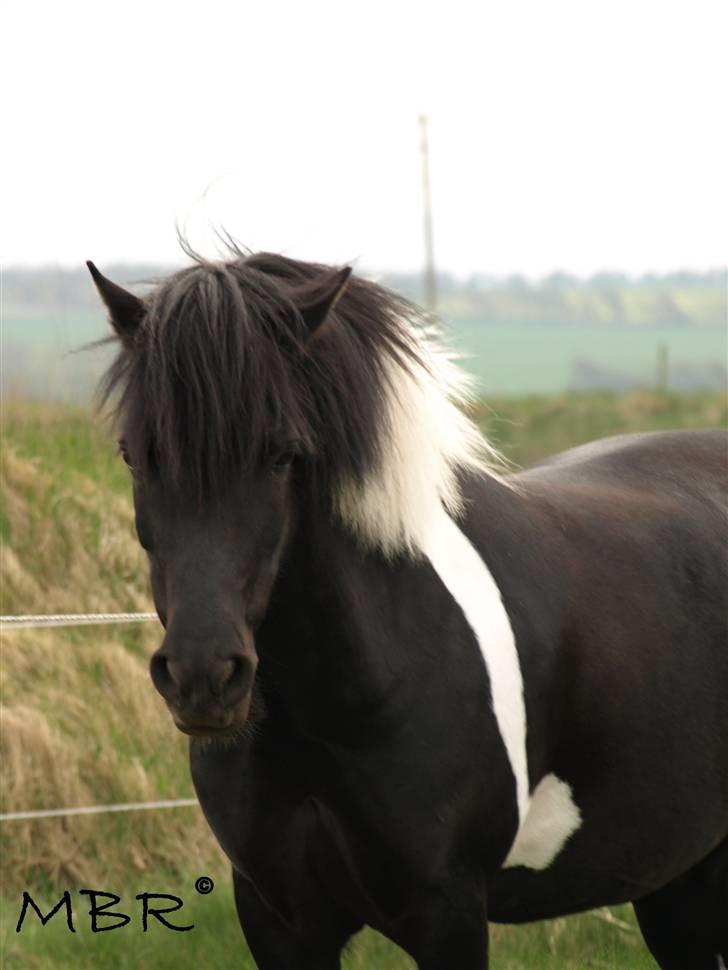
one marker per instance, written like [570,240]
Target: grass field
[516,359]
[81,723]
[513,358]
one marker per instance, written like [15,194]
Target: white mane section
[425,439]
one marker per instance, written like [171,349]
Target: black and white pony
[438,694]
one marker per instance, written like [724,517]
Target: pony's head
[246,391]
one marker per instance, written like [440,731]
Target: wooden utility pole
[663,368]
[430,277]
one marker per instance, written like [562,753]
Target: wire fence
[38,621]
[97,809]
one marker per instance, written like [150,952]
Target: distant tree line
[679,299]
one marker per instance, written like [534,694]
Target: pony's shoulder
[646,452]
[680,466]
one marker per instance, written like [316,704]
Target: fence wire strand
[97,809]
[38,620]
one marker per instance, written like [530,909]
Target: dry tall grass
[80,722]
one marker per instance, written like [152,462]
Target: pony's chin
[222,726]
[209,730]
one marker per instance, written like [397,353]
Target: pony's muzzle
[205,694]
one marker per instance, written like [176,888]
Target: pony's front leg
[448,930]
[277,946]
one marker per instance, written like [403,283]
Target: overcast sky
[564,135]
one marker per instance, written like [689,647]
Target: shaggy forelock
[221,372]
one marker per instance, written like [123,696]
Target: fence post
[661,382]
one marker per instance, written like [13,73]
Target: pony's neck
[333,647]
[354,636]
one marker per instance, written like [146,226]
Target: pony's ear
[125,309]
[317,308]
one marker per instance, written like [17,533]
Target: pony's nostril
[161,673]
[228,670]
[201,682]
[234,676]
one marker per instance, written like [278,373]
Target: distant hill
[683,299]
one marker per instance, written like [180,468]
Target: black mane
[221,371]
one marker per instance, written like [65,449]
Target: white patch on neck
[549,816]
[424,439]
[473,588]
[721,964]
[407,504]
[552,818]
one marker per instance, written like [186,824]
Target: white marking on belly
[721,965]
[552,818]
[471,584]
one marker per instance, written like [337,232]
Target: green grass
[67,440]
[522,358]
[531,428]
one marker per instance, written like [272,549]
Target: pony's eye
[124,452]
[285,457]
